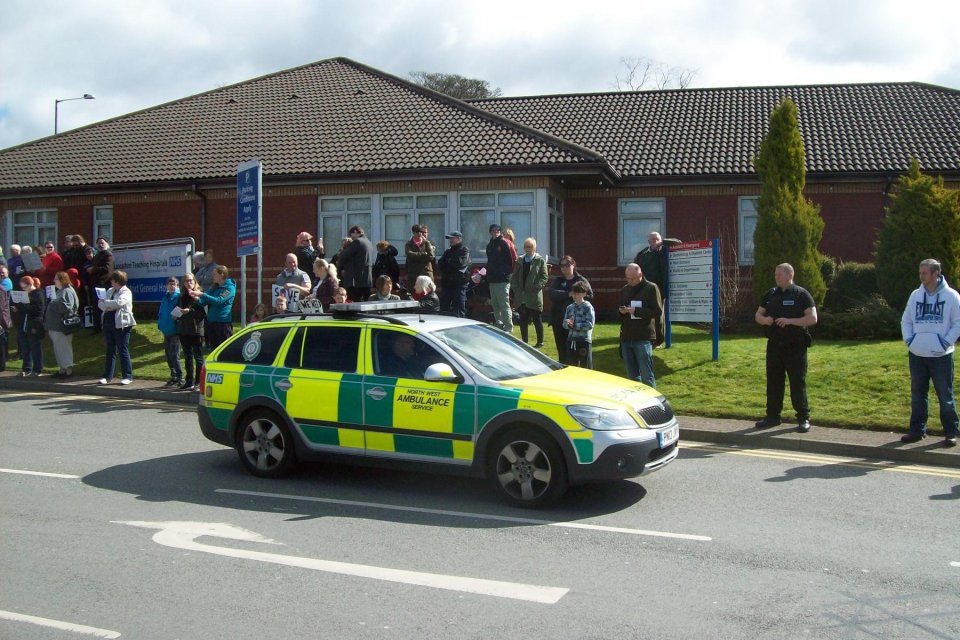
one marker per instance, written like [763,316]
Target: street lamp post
[56,106]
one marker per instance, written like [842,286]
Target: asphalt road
[141,528]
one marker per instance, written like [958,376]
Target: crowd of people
[56,289]
[197,313]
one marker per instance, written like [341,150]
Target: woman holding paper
[31,314]
[118,323]
[190,315]
[65,304]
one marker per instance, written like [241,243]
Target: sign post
[694,283]
[249,226]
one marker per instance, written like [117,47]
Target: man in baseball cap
[454,267]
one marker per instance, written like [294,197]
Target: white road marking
[181,535]
[477,516]
[40,473]
[878,465]
[955,564]
[57,624]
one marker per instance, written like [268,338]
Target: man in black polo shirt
[785,312]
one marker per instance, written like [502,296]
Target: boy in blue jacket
[578,320]
[219,301]
[168,327]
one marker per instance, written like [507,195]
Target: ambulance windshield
[495,354]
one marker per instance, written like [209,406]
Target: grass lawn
[859,384]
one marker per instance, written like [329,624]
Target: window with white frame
[34,227]
[337,215]
[747,224]
[103,223]
[555,208]
[510,209]
[400,213]
[636,219]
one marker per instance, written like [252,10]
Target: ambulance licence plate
[668,436]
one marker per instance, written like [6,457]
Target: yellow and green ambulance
[383,383]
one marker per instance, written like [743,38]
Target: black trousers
[218,332]
[783,361]
[528,315]
[560,338]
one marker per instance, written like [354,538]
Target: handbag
[72,323]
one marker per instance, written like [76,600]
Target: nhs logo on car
[214,378]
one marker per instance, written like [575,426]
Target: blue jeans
[940,370]
[171,348]
[32,354]
[638,358]
[118,343]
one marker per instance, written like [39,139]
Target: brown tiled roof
[852,129]
[337,119]
[330,118]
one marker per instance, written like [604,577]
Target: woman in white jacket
[118,322]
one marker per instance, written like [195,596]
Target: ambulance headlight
[600,419]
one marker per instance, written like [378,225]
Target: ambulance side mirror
[441,372]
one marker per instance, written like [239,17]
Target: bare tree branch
[644,73]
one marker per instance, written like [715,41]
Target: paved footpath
[849,443]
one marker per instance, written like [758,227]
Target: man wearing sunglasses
[52,263]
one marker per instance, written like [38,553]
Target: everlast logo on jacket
[927,312]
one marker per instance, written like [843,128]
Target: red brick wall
[852,221]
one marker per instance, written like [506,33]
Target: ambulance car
[384,383]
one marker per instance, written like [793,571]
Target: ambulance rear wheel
[527,468]
[265,444]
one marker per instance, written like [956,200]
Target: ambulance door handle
[283,385]
[377,393]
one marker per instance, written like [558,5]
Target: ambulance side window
[400,355]
[259,346]
[328,349]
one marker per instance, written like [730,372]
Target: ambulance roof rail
[375,309]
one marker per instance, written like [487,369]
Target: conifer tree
[922,221]
[789,226]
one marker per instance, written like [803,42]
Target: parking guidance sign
[249,207]
[694,283]
[691,282]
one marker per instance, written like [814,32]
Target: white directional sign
[182,535]
[691,282]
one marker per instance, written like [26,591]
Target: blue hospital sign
[249,207]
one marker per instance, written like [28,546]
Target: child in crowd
[280,305]
[579,319]
[340,296]
[260,312]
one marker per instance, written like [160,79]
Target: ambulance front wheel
[527,468]
[265,444]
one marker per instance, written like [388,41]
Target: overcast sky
[133,54]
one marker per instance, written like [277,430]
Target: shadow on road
[98,405]
[953,495]
[328,489]
[826,472]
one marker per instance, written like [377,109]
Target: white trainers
[126,381]
[102,381]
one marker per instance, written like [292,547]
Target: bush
[873,319]
[828,270]
[922,221]
[853,286]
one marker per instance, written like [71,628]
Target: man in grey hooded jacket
[930,327]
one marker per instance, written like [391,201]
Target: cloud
[133,55]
